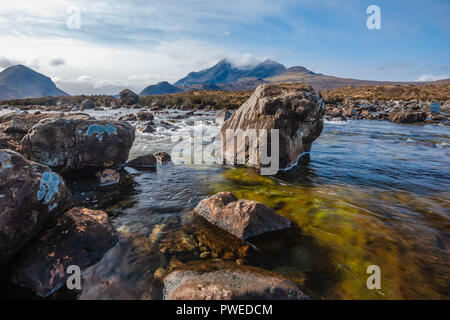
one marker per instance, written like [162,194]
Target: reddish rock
[80,237]
[112,288]
[220,280]
[242,218]
[31,199]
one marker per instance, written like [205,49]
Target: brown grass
[389,92]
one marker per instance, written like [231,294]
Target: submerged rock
[108,177]
[144,116]
[68,145]
[128,97]
[31,198]
[128,117]
[242,218]
[163,157]
[221,280]
[143,162]
[295,109]
[80,237]
[148,129]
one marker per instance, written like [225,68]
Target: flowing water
[372,193]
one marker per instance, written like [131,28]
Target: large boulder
[223,280]
[31,198]
[295,109]
[242,218]
[80,237]
[68,145]
[128,97]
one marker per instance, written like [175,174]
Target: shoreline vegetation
[422,103]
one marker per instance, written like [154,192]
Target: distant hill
[323,82]
[22,82]
[160,88]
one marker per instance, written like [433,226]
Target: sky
[135,43]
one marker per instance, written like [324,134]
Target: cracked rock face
[74,144]
[295,109]
[31,199]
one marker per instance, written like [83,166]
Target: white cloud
[57,62]
[96,69]
[431,77]
[124,44]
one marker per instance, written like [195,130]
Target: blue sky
[137,43]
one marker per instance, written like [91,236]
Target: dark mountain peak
[266,69]
[269,62]
[298,69]
[19,81]
[224,72]
[224,61]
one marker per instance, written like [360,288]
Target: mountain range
[225,76]
[22,82]
[19,81]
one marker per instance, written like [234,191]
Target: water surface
[372,193]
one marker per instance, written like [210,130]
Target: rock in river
[108,177]
[143,162]
[163,157]
[242,218]
[295,109]
[68,145]
[223,280]
[31,198]
[80,237]
[407,116]
[144,116]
